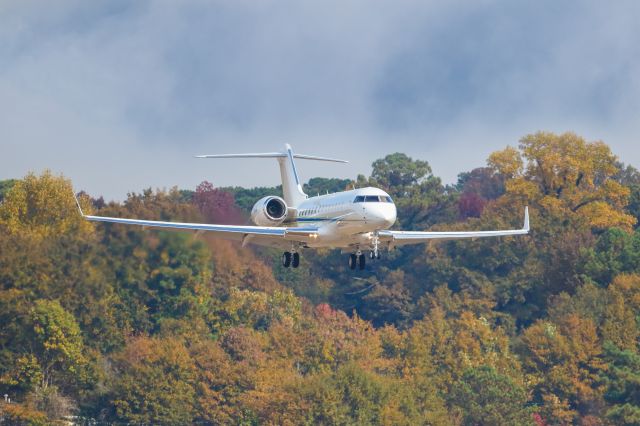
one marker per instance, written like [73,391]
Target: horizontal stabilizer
[272,155]
[254,155]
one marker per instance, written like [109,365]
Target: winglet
[78,204]
[526,219]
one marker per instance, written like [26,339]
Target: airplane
[356,221]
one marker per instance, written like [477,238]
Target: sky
[119,95]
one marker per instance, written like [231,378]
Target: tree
[5,186]
[623,385]
[615,252]
[489,398]
[564,360]
[216,205]
[320,185]
[566,177]
[354,396]
[400,174]
[477,187]
[154,382]
[42,206]
[58,343]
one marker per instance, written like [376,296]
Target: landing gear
[291,259]
[353,261]
[373,255]
[357,260]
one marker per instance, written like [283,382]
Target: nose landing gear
[357,259]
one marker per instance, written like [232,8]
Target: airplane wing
[397,238]
[257,234]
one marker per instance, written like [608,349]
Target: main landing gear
[359,260]
[291,259]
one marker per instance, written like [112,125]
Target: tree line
[118,324]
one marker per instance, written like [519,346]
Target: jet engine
[269,211]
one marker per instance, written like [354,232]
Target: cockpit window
[373,199]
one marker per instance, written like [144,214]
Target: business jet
[356,221]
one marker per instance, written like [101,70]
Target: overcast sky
[119,95]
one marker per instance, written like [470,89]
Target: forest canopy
[124,325]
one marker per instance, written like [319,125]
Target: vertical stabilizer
[291,186]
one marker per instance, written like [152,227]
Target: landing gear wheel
[296,260]
[353,260]
[361,261]
[286,259]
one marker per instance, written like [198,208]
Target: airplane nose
[384,216]
[389,217]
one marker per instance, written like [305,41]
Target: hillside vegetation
[125,325]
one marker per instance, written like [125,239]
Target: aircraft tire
[352,261]
[361,261]
[286,259]
[295,262]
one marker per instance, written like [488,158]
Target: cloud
[120,95]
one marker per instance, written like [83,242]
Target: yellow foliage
[42,206]
[566,360]
[565,176]
[507,161]
[620,327]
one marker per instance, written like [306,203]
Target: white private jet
[355,221]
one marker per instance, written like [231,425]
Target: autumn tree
[216,205]
[476,188]
[566,177]
[41,206]
[564,360]
[154,382]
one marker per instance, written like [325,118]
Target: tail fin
[291,184]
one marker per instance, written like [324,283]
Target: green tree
[322,186]
[58,344]
[615,252]
[623,385]
[489,398]
[5,186]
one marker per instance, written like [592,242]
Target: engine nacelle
[269,211]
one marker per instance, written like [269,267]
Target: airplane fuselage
[345,218]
